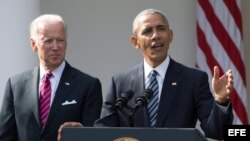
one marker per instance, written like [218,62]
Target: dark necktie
[44,99]
[151,83]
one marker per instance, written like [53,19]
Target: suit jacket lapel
[171,82]
[34,94]
[137,84]
[63,90]
[138,81]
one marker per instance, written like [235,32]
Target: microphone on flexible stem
[140,101]
[143,99]
[123,99]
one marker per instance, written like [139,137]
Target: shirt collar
[161,69]
[56,72]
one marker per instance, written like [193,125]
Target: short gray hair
[34,26]
[145,12]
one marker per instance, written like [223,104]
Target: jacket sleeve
[8,130]
[109,114]
[211,115]
[93,104]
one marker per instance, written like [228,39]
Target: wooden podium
[131,134]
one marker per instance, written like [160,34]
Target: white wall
[16,54]
[99,32]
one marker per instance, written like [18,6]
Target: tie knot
[47,75]
[153,73]
[151,79]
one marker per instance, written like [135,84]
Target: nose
[155,35]
[55,44]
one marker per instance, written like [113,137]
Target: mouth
[157,45]
[54,55]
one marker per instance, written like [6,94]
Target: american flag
[220,42]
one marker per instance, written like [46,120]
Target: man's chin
[55,63]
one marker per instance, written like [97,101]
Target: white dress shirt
[54,79]
[161,70]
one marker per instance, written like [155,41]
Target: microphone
[123,99]
[140,101]
[143,99]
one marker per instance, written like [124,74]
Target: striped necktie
[151,83]
[44,99]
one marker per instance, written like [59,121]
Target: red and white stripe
[219,36]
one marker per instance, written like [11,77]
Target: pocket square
[174,83]
[69,102]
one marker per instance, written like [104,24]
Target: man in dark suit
[73,95]
[183,94]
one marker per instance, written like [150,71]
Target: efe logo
[234,132]
[237,132]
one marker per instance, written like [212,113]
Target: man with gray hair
[38,101]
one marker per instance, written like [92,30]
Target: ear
[170,32]
[133,41]
[33,45]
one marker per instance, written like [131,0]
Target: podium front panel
[131,134]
